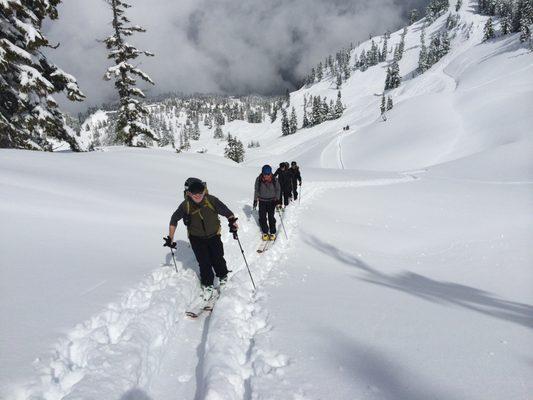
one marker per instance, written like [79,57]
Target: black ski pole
[236,237]
[174,259]
[282,224]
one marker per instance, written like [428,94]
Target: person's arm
[221,208]
[278,189]
[178,214]
[256,189]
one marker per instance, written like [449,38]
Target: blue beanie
[267,170]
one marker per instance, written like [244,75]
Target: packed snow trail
[227,358]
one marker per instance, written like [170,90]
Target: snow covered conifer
[218,133]
[393,79]
[29,116]
[390,105]
[293,122]
[423,57]
[130,127]
[319,71]
[385,49]
[234,150]
[383,106]
[285,130]
[413,16]
[339,81]
[488,30]
[339,107]
[316,117]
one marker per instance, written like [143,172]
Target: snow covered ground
[406,275]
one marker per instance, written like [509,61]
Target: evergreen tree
[234,150]
[423,57]
[285,129]
[293,122]
[393,79]
[488,30]
[218,133]
[319,71]
[339,81]
[384,50]
[390,105]
[363,62]
[373,54]
[413,17]
[331,111]
[458,5]
[274,113]
[316,117]
[195,131]
[401,46]
[305,122]
[339,107]
[29,115]
[324,110]
[383,106]
[130,128]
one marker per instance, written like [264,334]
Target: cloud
[225,46]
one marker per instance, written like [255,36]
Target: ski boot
[222,281]
[208,292]
[265,237]
[272,237]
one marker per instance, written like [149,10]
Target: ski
[263,247]
[202,306]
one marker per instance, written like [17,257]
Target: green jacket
[204,221]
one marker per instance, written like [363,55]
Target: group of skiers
[200,213]
[273,191]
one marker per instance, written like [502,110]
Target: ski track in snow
[121,349]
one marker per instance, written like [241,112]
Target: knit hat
[266,170]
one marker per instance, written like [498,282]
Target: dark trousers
[267,208]
[285,196]
[294,190]
[209,253]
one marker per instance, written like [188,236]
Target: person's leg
[271,216]
[286,197]
[263,209]
[216,252]
[294,191]
[201,251]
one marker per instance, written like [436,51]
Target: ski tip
[191,315]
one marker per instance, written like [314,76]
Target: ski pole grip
[235,235]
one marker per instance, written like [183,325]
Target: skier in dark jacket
[296,179]
[266,194]
[285,180]
[200,212]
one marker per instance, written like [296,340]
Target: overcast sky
[226,46]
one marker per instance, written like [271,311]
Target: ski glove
[232,223]
[169,242]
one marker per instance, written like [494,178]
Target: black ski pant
[295,190]
[286,194]
[209,253]
[267,208]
